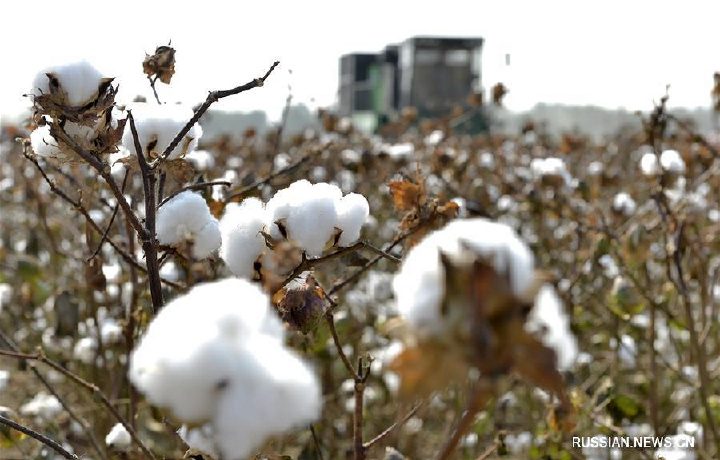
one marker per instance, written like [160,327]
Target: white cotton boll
[282,202]
[419,285]
[201,159]
[649,164]
[487,160]
[181,217]
[549,320]
[671,161]
[157,125]
[191,347]
[79,80]
[187,217]
[434,138]
[207,240]
[624,204]
[400,151]
[118,438]
[312,220]
[43,405]
[242,240]
[43,144]
[201,439]
[85,350]
[353,209]
[274,392]
[111,332]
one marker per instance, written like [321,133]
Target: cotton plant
[216,358]
[186,217]
[118,438]
[469,297]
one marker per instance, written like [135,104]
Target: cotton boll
[217,355]
[191,346]
[187,217]
[419,286]
[353,209]
[201,159]
[157,126]
[200,439]
[43,405]
[624,204]
[181,217]
[79,80]
[276,393]
[671,161]
[111,332]
[208,239]
[43,144]
[118,438]
[282,202]
[85,350]
[242,240]
[649,164]
[549,320]
[312,220]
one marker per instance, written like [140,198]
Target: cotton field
[418,293]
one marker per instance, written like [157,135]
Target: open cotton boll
[671,161]
[217,355]
[157,126]
[191,347]
[43,144]
[207,240]
[274,392]
[419,285]
[187,216]
[312,219]
[649,164]
[201,439]
[85,350]
[281,203]
[43,405]
[118,438]
[353,209]
[624,204]
[242,240]
[79,80]
[548,319]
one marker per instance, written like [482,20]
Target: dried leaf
[406,195]
[161,64]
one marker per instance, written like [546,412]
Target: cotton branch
[92,388]
[40,437]
[148,235]
[213,97]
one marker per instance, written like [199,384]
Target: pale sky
[606,53]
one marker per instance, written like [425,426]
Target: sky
[606,53]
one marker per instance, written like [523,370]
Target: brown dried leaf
[406,195]
[426,368]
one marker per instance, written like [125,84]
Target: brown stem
[148,236]
[478,398]
[213,97]
[393,427]
[92,388]
[40,437]
[198,186]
